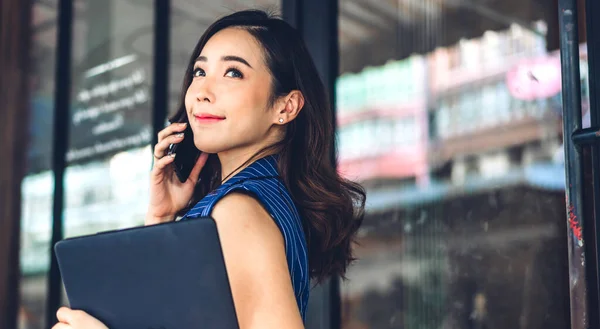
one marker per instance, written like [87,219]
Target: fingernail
[172,155]
[180,135]
[183,124]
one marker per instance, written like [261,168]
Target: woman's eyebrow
[228,58]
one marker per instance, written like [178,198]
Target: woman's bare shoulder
[254,253]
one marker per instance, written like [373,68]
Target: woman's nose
[204,93]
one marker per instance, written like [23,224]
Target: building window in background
[465,207]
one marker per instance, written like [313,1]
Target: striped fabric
[262,180]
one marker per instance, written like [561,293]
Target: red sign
[535,78]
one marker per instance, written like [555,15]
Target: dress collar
[265,167]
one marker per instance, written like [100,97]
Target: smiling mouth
[206,118]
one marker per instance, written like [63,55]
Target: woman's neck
[232,162]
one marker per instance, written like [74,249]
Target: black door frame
[62,105]
[581,215]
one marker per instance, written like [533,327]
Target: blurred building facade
[448,112]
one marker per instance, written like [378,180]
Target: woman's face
[227,101]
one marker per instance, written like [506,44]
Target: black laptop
[165,276]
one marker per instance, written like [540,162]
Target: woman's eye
[234,73]
[198,72]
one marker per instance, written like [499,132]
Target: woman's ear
[289,107]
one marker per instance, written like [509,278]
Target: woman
[259,113]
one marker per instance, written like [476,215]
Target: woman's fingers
[65,314]
[76,319]
[160,149]
[170,130]
[160,164]
[195,173]
[70,316]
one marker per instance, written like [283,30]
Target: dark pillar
[14,62]
[318,22]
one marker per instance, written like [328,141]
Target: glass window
[38,185]
[502,102]
[109,157]
[442,120]
[112,79]
[454,241]
[454,125]
[468,109]
[490,104]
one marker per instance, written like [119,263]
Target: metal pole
[60,144]
[162,34]
[593,45]
[571,98]
[318,24]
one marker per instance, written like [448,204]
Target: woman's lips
[208,118]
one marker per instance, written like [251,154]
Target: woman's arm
[254,253]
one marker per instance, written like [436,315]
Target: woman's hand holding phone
[168,195]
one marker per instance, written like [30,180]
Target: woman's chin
[205,144]
[207,148]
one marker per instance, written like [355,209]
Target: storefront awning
[545,176]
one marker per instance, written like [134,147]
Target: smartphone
[187,155]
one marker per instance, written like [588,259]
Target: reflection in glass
[109,157]
[36,222]
[465,198]
[108,194]
[112,78]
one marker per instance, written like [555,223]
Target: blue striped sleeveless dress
[262,180]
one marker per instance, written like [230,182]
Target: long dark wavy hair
[332,208]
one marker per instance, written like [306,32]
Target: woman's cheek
[188,104]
